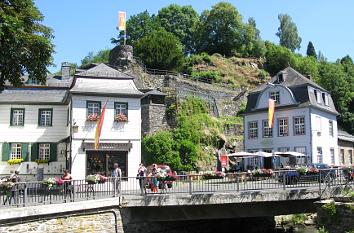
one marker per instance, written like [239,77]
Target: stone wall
[104,222]
[153,118]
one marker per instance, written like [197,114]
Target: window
[253,129]
[342,156]
[275,96]
[319,155]
[299,125]
[350,156]
[17,117]
[121,108]
[44,151]
[16,151]
[317,96]
[331,128]
[93,108]
[332,156]
[267,150]
[45,117]
[283,127]
[267,132]
[325,98]
[283,149]
[302,150]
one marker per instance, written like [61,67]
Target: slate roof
[33,96]
[155,92]
[103,71]
[345,136]
[299,86]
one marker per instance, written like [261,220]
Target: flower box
[213,175]
[14,161]
[121,117]
[262,173]
[93,117]
[96,179]
[6,185]
[41,161]
[52,182]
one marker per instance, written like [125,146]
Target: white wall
[285,94]
[321,136]
[276,142]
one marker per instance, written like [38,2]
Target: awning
[290,153]
[90,146]
[241,154]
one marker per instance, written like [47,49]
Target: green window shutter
[39,117]
[5,151]
[11,116]
[24,151]
[53,152]
[35,152]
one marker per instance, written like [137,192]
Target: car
[315,172]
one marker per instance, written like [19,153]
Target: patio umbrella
[242,154]
[290,153]
[264,154]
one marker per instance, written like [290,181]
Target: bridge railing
[38,193]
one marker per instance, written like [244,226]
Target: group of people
[152,181]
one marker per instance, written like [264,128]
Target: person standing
[67,183]
[117,176]
[141,176]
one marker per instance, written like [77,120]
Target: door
[268,162]
[102,162]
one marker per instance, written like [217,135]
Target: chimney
[65,70]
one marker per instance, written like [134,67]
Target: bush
[212,76]
[160,50]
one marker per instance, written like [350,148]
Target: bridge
[190,197]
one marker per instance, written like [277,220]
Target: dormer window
[325,98]
[280,78]
[275,96]
[317,96]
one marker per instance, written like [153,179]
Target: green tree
[277,58]
[160,50]
[138,26]
[287,33]
[311,52]
[25,44]
[346,60]
[305,65]
[252,45]
[219,30]
[181,21]
[101,56]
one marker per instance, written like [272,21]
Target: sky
[83,26]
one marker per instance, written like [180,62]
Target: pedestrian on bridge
[141,177]
[117,176]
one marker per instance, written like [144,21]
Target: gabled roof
[33,96]
[103,71]
[345,136]
[299,85]
[291,78]
[155,92]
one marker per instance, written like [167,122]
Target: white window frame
[332,154]
[44,151]
[319,155]
[302,150]
[18,117]
[16,151]
[283,127]
[267,132]
[299,125]
[330,128]
[253,129]
[93,107]
[275,95]
[121,108]
[342,158]
[46,116]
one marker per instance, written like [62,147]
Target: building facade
[304,119]
[345,148]
[46,129]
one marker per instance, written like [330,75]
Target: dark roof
[33,96]
[345,136]
[299,86]
[155,92]
[103,71]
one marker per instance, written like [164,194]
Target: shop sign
[107,146]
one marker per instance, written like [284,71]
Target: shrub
[330,209]
[212,76]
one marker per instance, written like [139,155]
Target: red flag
[271,106]
[99,127]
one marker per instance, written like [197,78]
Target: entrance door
[102,162]
[268,162]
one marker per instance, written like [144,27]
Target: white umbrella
[290,153]
[241,154]
[264,154]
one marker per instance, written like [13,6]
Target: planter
[93,117]
[42,161]
[121,118]
[14,161]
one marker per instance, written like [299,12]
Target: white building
[34,128]
[120,139]
[304,119]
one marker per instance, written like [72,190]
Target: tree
[101,56]
[25,44]
[287,33]
[346,60]
[160,50]
[311,52]
[181,21]
[219,30]
[252,45]
[277,58]
[138,26]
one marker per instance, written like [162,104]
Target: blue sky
[81,26]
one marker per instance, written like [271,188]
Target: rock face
[121,55]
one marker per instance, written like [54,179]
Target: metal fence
[37,193]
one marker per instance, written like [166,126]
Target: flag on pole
[99,127]
[271,106]
[122,20]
